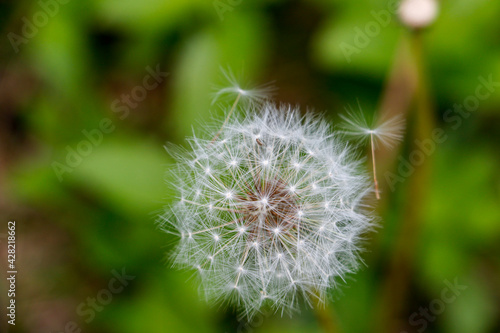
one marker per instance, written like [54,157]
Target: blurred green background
[67,68]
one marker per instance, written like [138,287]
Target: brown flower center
[269,204]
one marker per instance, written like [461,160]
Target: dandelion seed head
[261,230]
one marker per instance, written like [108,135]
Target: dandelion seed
[384,132]
[234,87]
[253,96]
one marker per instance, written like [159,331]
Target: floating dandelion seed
[252,95]
[267,234]
[379,131]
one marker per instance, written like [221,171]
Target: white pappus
[270,212]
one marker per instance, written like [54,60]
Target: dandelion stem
[377,193]
[398,279]
[227,118]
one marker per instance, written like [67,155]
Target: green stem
[397,282]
